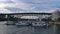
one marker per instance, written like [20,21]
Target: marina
[13,29]
[30,23]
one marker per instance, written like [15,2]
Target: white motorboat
[22,23]
[10,22]
[38,24]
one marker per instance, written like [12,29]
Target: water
[13,29]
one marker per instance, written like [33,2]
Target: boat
[48,24]
[38,24]
[22,23]
[10,23]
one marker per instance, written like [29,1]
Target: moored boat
[21,23]
[10,23]
[38,24]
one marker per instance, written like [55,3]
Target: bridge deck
[24,13]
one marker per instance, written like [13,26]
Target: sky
[31,6]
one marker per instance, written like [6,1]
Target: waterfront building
[55,15]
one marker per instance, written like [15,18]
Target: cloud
[6,1]
[14,9]
[23,5]
[5,11]
[29,5]
[38,4]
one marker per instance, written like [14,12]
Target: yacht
[22,23]
[38,24]
[10,23]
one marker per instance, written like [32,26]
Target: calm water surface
[13,29]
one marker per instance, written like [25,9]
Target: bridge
[18,15]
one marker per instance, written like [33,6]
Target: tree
[58,19]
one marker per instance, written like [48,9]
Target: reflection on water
[13,29]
